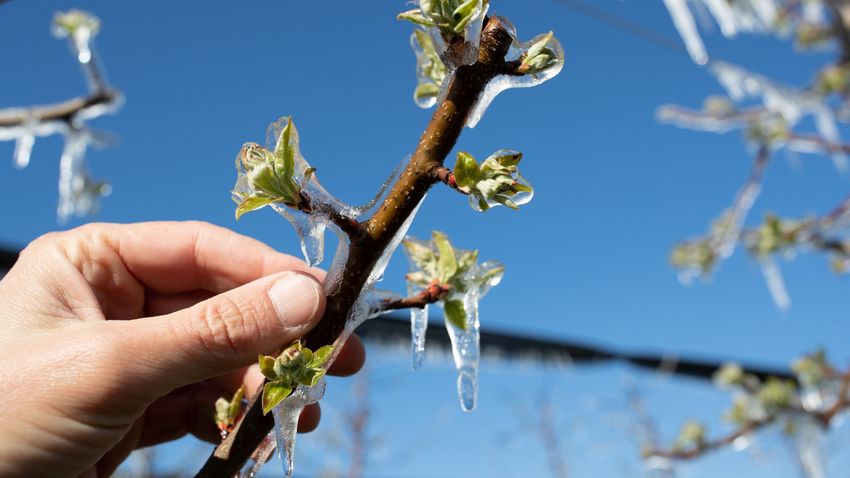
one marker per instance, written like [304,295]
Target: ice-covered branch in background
[78,193]
[437,264]
[776,238]
[804,410]
[791,104]
[806,19]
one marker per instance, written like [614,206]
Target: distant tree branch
[64,111]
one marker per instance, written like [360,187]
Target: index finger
[173,257]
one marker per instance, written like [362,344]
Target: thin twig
[65,111]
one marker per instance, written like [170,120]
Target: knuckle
[225,325]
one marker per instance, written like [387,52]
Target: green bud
[692,434]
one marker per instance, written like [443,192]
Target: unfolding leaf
[447,261]
[273,394]
[267,366]
[252,204]
[321,355]
[466,170]
[455,313]
[312,376]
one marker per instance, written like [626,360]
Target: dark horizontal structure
[394,330]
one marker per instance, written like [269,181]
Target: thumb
[225,332]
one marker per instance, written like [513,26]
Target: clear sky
[586,259]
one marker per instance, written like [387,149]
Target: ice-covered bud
[776,394]
[729,375]
[811,370]
[267,177]
[697,255]
[72,21]
[774,235]
[227,412]
[542,55]
[833,79]
[808,34]
[768,130]
[496,181]
[296,365]
[719,106]
[450,16]
[692,435]
[430,69]
[739,413]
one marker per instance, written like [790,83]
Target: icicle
[725,17]
[775,284]
[23,150]
[505,82]
[81,27]
[78,193]
[687,27]
[418,328]
[465,351]
[808,441]
[286,421]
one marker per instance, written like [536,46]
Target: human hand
[85,384]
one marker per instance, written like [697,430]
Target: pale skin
[115,337]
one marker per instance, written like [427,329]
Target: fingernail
[296,299]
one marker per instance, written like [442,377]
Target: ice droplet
[78,193]
[505,82]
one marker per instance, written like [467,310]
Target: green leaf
[522,188]
[311,376]
[466,260]
[273,394]
[235,405]
[267,366]
[321,355]
[466,170]
[419,254]
[416,17]
[455,313]
[503,200]
[447,261]
[538,47]
[252,204]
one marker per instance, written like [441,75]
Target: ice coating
[504,82]
[80,28]
[467,51]
[808,442]
[380,266]
[791,104]
[286,421]
[260,457]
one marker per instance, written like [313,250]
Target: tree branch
[436,142]
[447,177]
[434,293]
[65,111]
[840,21]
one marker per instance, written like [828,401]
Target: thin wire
[635,29]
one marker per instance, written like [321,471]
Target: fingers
[350,358]
[223,333]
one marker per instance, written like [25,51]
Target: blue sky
[587,259]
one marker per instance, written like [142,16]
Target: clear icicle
[378,271]
[775,283]
[505,82]
[286,421]
[808,441]
[78,193]
[466,352]
[418,328]
[687,27]
[23,150]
